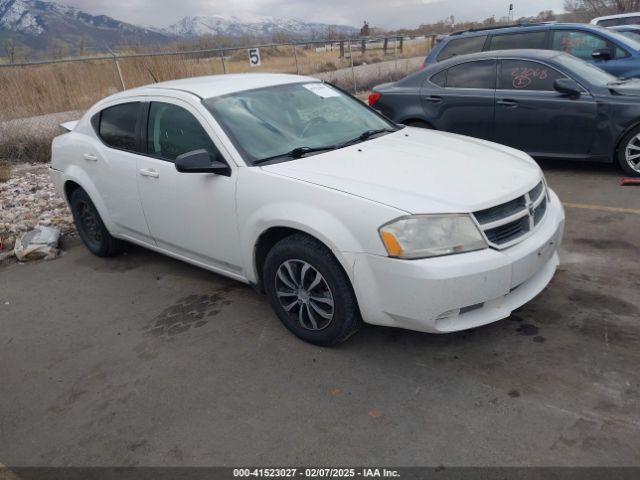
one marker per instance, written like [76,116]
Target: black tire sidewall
[101,249]
[346,319]
[622,161]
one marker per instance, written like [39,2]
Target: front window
[269,122]
[526,75]
[173,131]
[587,71]
[577,43]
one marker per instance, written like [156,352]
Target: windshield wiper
[366,135]
[297,152]
[300,152]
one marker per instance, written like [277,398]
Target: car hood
[421,171]
[630,87]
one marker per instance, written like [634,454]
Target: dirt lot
[143,360]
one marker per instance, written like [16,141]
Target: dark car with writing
[547,103]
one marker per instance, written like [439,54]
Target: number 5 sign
[254,57]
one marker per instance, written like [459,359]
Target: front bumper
[457,292]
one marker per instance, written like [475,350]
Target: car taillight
[373,98]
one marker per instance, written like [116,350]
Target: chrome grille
[504,224]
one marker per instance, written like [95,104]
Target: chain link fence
[46,87]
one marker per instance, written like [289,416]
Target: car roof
[519,28]
[217,85]
[531,54]
[594,21]
[625,28]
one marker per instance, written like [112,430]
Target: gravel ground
[27,199]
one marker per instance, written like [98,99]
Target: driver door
[531,115]
[192,215]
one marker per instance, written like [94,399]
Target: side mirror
[568,87]
[200,161]
[602,54]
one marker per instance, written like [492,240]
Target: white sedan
[338,214]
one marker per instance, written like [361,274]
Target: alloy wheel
[304,294]
[632,153]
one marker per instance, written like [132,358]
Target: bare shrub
[5,171]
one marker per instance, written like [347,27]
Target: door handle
[433,99]
[90,157]
[507,103]
[148,173]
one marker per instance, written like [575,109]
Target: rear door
[111,162]
[531,116]
[461,98]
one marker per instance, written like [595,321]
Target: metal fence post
[395,54]
[224,66]
[115,59]
[295,56]
[353,71]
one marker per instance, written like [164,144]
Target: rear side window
[518,40]
[118,126]
[577,43]
[480,74]
[524,75]
[462,46]
[172,131]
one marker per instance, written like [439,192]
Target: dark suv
[610,50]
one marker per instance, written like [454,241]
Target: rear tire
[629,147]
[90,226]
[310,292]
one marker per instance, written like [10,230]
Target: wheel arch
[618,142]
[75,178]
[270,236]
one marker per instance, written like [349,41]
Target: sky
[389,14]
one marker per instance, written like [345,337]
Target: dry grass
[41,89]
[72,87]
[5,171]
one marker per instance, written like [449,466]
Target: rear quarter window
[462,46]
[439,78]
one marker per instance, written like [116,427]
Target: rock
[28,199]
[41,242]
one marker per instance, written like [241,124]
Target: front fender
[311,220]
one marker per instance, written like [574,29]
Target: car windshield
[632,34]
[587,71]
[624,40]
[294,119]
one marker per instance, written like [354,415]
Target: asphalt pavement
[144,360]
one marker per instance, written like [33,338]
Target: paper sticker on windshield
[321,90]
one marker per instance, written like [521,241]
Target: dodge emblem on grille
[530,208]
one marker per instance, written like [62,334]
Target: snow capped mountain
[16,17]
[40,25]
[256,26]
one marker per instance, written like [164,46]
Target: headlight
[421,236]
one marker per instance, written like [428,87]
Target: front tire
[90,226]
[310,292]
[629,153]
